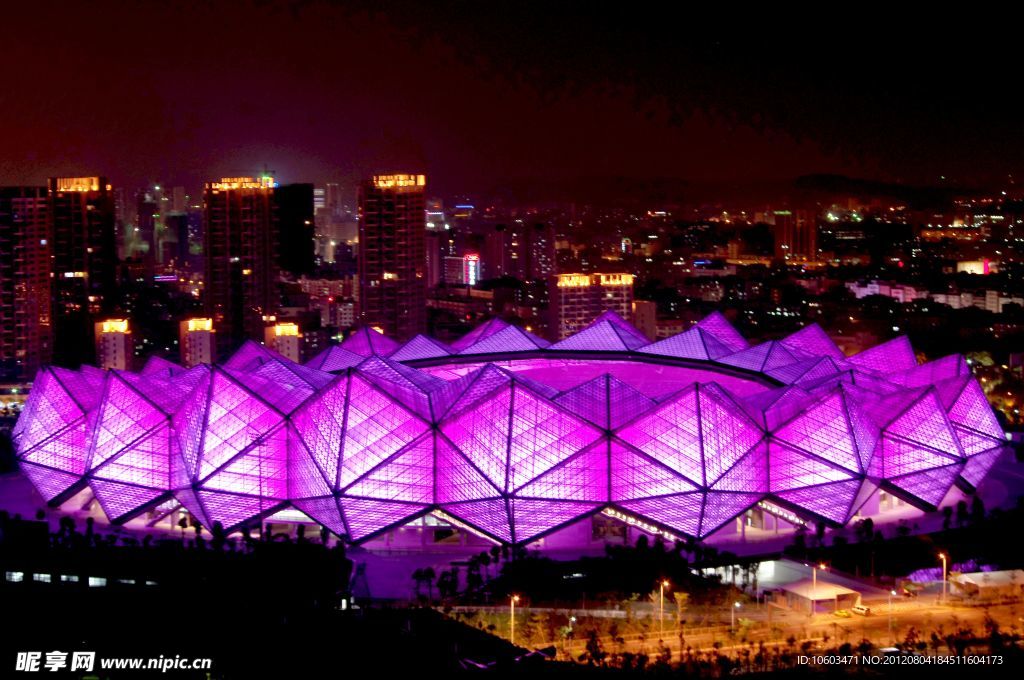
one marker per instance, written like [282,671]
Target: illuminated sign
[228,183]
[200,325]
[114,326]
[399,181]
[471,269]
[78,184]
[583,280]
[286,330]
[573,280]
[615,279]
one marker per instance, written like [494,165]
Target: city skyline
[486,99]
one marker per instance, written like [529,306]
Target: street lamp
[814,585]
[942,556]
[732,615]
[661,608]
[512,619]
[891,593]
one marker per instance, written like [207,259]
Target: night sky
[480,95]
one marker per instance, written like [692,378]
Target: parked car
[843,613]
[861,610]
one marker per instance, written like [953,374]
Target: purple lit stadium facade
[513,438]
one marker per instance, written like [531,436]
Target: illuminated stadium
[513,439]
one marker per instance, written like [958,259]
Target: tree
[682,599]
[961,514]
[428,578]
[417,577]
[977,510]
[864,530]
[819,533]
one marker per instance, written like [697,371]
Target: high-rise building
[285,339]
[645,318]
[496,254]
[577,299]
[148,204]
[26,321]
[462,270]
[179,200]
[526,252]
[296,231]
[81,213]
[175,243]
[392,257]
[796,236]
[240,248]
[114,344]
[197,342]
[333,199]
[541,244]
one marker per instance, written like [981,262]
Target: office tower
[577,299]
[114,344]
[195,233]
[436,242]
[333,199]
[435,215]
[296,231]
[240,248]
[462,270]
[436,245]
[179,200]
[175,242]
[495,255]
[796,236]
[121,236]
[148,207]
[392,257]
[285,339]
[26,330]
[645,318]
[526,252]
[541,251]
[81,213]
[197,342]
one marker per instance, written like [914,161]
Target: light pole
[732,616]
[891,593]
[814,586]
[942,556]
[661,608]
[512,619]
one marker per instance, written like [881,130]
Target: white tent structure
[822,596]
[988,585]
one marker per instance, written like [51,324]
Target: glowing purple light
[684,434]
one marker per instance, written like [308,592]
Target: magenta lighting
[515,437]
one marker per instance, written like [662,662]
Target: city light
[399,181]
[114,326]
[78,184]
[233,183]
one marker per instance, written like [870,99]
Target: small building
[823,596]
[988,585]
